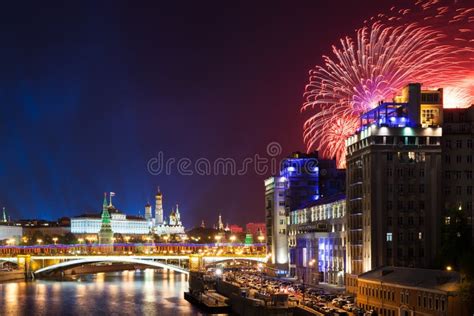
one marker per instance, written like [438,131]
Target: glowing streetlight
[80,240]
[261,238]
[39,241]
[166,238]
[55,240]
[449,268]
[25,239]
[127,239]
[218,238]
[232,238]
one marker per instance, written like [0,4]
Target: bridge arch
[123,259]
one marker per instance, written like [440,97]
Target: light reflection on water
[148,292]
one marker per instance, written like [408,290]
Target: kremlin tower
[106,234]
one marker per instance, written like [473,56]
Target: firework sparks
[373,66]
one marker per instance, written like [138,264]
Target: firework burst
[373,66]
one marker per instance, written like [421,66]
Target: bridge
[181,258]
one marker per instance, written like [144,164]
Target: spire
[4,219]
[202,224]
[104,204]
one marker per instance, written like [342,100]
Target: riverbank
[14,275]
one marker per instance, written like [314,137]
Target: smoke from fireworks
[381,60]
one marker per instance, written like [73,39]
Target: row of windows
[447,159]
[426,301]
[458,174]
[401,188]
[459,143]
[409,204]
[410,252]
[458,191]
[410,172]
[401,220]
[378,293]
[411,236]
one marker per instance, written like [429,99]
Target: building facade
[400,291]
[132,225]
[8,232]
[317,238]
[256,229]
[458,166]
[275,216]
[394,184]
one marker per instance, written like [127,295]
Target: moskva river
[146,292]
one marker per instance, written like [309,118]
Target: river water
[146,292]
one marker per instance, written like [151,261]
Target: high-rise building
[275,216]
[394,184]
[297,186]
[458,152]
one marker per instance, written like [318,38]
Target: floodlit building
[8,232]
[316,237]
[275,215]
[297,186]
[394,184]
[132,225]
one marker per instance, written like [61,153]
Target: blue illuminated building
[301,175]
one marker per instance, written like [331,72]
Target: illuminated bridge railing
[132,249]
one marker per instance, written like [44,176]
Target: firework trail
[385,55]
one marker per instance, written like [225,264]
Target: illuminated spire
[4,219]
[104,204]
[106,234]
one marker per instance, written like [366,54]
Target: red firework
[378,62]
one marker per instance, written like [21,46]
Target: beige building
[400,291]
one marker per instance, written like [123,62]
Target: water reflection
[148,292]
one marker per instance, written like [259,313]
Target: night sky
[90,91]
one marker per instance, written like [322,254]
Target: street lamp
[39,241]
[55,239]
[127,239]
[25,239]
[166,238]
[218,238]
[80,240]
[449,268]
[261,238]
[232,238]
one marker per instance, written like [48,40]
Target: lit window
[420,235]
[389,236]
